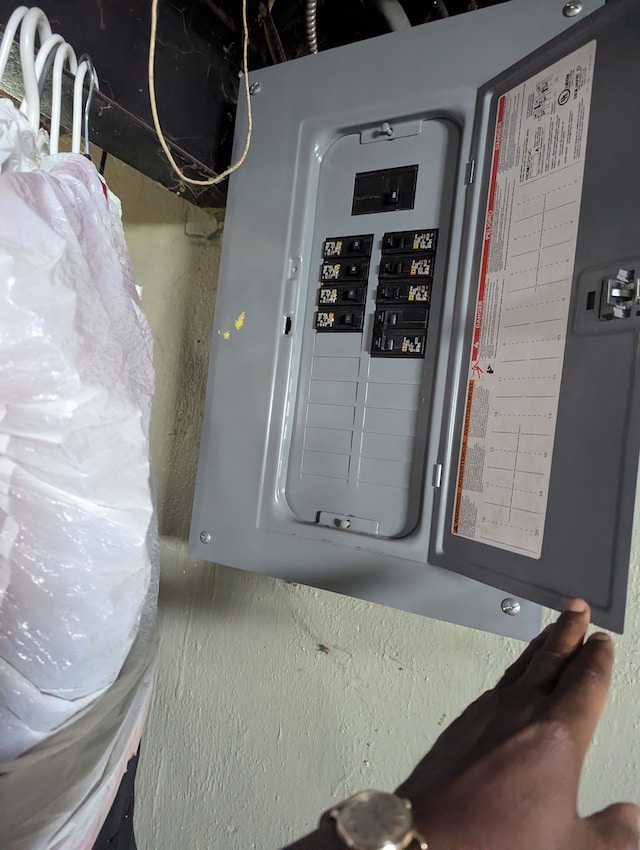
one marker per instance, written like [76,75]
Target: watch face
[375,819]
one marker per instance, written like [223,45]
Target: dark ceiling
[198,57]
[344,21]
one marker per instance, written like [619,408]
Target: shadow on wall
[192,368]
[202,591]
[175,253]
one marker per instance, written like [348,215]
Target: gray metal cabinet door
[541,459]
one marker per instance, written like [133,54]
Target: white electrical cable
[9,34]
[65,53]
[212,181]
[35,19]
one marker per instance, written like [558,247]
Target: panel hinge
[437,474]
[620,295]
[469,172]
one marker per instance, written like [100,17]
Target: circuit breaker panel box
[423,387]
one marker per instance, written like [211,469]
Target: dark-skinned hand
[505,774]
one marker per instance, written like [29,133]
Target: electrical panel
[430,399]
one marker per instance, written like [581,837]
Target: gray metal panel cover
[251,440]
[589,515]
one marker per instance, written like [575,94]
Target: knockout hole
[591,300]
[287,325]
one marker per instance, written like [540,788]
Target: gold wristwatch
[376,820]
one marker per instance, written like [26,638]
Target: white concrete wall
[274,700]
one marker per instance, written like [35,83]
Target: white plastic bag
[20,148]
[78,541]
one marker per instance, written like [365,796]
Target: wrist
[325,837]
[436,837]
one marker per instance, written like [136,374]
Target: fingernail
[599,636]
[578,606]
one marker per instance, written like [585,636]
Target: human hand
[505,774]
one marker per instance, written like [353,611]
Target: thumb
[617,827]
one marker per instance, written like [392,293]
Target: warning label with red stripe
[522,307]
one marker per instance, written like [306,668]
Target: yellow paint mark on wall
[239,322]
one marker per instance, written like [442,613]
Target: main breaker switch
[385,191]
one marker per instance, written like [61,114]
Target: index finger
[579,698]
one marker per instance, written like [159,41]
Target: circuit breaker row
[402,297]
[343,283]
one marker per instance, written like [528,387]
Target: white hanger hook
[84,64]
[49,46]
[64,54]
[9,34]
[34,20]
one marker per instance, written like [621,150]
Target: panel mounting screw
[570,10]
[342,523]
[510,606]
[205,537]
[254,88]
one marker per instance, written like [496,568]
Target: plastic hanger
[64,54]
[35,69]
[44,61]
[9,34]
[34,20]
[85,64]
